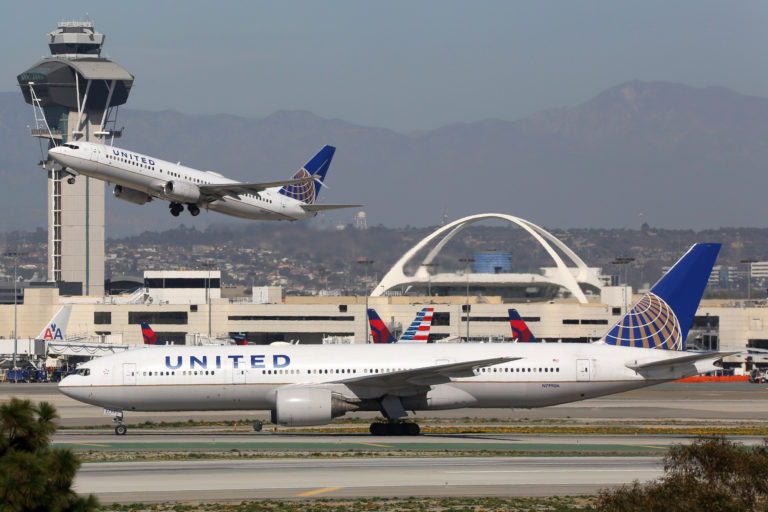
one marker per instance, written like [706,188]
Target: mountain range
[667,154]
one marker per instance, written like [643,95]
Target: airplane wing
[235,190]
[322,207]
[688,358]
[425,376]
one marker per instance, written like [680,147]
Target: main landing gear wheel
[71,180]
[120,429]
[395,429]
[176,208]
[193,209]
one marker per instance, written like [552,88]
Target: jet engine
[181,192]
[131,195]
[302,407]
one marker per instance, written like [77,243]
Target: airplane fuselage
[248,377]
[148,175]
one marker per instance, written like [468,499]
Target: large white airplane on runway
[310,385]
[140,178]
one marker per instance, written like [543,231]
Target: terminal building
[185,307]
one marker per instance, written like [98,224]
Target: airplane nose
[67,387]
[55,153]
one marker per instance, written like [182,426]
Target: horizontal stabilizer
[321,207]
[672,361]
[238,189]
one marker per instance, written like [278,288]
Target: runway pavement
[711,401]
[288,470]
[389,477]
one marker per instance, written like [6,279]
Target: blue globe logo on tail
[651,323]
[304,192]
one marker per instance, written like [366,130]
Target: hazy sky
[404,65]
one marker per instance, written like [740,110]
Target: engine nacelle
[131,195]
[181,192]
[303,407]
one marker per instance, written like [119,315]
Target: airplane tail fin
[150,338]
[379,329]
[307,192]
[419,328]
[56,329]
[520,330]
[239,338]
[662,317]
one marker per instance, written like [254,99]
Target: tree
[34,476]
[711,474]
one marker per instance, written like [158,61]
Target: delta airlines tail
[520,331]
[239,339]
[418,331]
[150,338]
[306,385]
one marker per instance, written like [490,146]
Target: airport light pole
[429,266]
[366,263]
[467,262]
[623,260]
[209,266]
[749,262]
[15,255]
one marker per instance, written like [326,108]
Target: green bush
[711,474]
[34,476]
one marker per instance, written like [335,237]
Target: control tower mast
[75,94]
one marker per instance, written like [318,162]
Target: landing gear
[395,429]
[120,429]
[257,426]
[71,180]
[193,209]
[176,208]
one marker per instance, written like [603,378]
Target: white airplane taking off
[140,178]
[310,385]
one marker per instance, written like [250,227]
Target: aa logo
[53,333]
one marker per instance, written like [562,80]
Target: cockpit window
[84,372]
[71,146]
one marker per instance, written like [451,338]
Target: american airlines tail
[419,328]
[418,331]
[150,338]
[56,329]
[520,331]
[307,192]
[662,317]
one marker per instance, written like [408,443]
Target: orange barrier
[721,378]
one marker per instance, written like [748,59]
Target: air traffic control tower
[75,94]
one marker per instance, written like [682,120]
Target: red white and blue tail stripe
[419,328]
